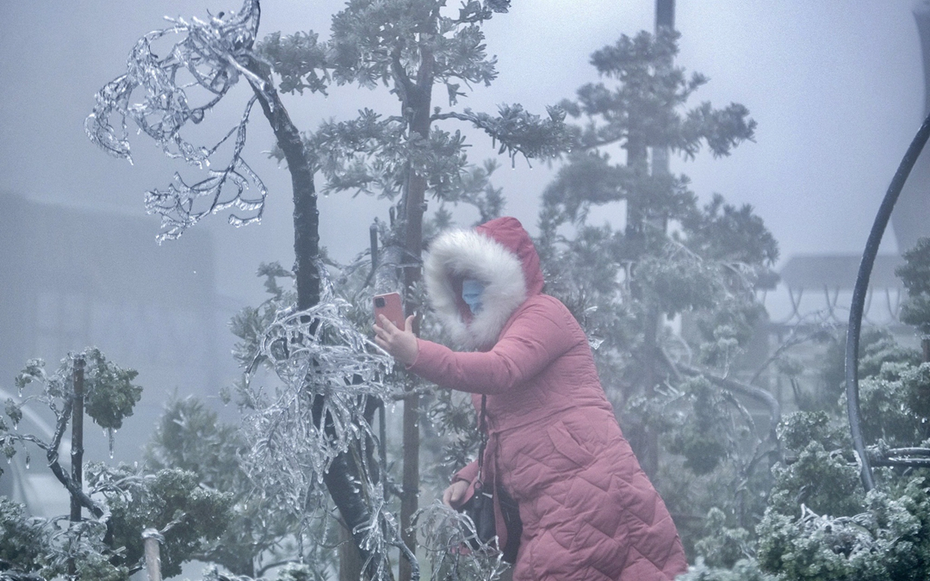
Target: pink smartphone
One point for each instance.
(391, 306)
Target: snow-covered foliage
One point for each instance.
(109, 396)
(316, 408)
(102, 541)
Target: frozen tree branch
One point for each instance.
(317, 423)
(316, 352)
(518, 131)
(156, 94)
(447, 537)
(756, 393)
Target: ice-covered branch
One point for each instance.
(447, 537)
(313, 427)
(328, 370)
(520, 132)
(158, 94)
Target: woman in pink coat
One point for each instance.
(589, 512)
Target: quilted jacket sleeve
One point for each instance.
(541, 331)
(468, 473)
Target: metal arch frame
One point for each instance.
(859, 295)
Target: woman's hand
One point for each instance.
(455, 494)
(401, 345)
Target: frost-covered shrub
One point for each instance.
(888, 540)
(117, 503)
(702, 433)
(723, 546)
(799, 429)
(172, 501)
(819, 479)
(915, 274)
(22, 540)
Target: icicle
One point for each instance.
(27, 461)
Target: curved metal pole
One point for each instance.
(860, 291)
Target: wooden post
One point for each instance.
(77, 435)
(151, 541)
(77, 443)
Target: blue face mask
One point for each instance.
(472, 291)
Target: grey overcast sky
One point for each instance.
(836, 87)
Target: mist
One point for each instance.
(837, 89)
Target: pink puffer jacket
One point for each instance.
(589, 512)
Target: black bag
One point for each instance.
(480, 507)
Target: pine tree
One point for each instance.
(673, 261)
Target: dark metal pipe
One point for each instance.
(859, 293)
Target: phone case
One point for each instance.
(391, 306)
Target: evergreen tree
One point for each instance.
(409, 47)
(674, 260)
(111, 506)
(819, 523)
(915, 275)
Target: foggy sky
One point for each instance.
(835, 86)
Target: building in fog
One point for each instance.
(825, 282)
(74, 278)
(818, 288)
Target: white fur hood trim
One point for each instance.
(457, 253)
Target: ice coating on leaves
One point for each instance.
(155, 94)
(327, 369)
(444, 533)
(317, 352)
(380, 532)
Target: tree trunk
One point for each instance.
(77, 445)
(418, 104)
(343, 471)
(636, 217)
(77, 436)
(152, 554)
(649, 458)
